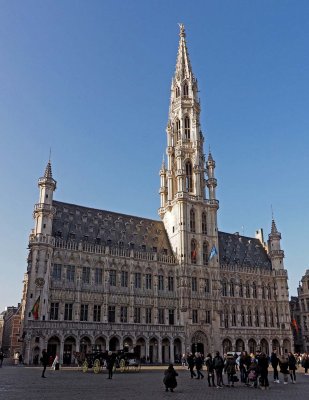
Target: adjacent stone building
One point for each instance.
(103, 280)
(302, 313)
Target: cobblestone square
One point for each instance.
(25, 383)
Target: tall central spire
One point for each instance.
(183, 66)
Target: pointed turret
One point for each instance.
(274, 247)
(211, 181)
(183, 66)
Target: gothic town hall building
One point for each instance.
(101, 280)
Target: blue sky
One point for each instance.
(91, 80)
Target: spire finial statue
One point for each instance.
(182, 32)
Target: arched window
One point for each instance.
(243, 319)
(257, 317)
(205, 253)
(185, 89)
(272, 322)
(226, 318)
(233, 317)
(193, 251)
(247, 290)
(241, 289)
(177, 91)
(204, 223)
(192, 220)
(224, 288)
(187, 128)
(254, 291)
(177, 129)
(249, 317)
(232, 288)
(189, 183)
(265, 318)
(269, 292)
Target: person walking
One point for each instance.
(44, 361)
(263, 369)
(110, 364)
(169, 379)
(199, 365)
(190, 362)
(244, 364)
(230, 369)
(210, 370)
(274, 360)
(218, 367)
(305, 362)
(292, 367)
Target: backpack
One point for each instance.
(252, 375)
(218, 362)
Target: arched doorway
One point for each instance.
(114, 344)
(286, 346)
(53, 346)
(127, 344)
(240, 345)
(36, 355)
(199, 343)
(264, 346)
(68, 348)
(177, 350)
(165, 350)
(252, 346)
(227, 346)
(140, 349)
(153, 350)
(276, 346)
(100, 344)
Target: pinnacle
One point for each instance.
(183, 66)
(48, 171)
(274, 227)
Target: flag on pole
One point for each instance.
(35, 309)
(295, 325)
(213, 252)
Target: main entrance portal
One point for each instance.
(199, 343)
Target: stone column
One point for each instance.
(147, 350)
(61, 351)
(160, 351)
(172, 359)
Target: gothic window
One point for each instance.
(265, 318)
(137, 280)
(249, 317)
(247, 290)
(123, 314)
(124, 278)
(96, 313)
(192, 220)
(272, 322)
(241, 289)
(86, 275)
(254, 291)
(68, 312)
(257, 318)
(185, 89)
(84, 312)
(193, 251)
(148, 281)
(137, 315)
(98, 276)
(189, 183)
(204, 224)
(171, 283)
(224, 288)
(194, 317)
(112, 277)
(161, 315)
(226, 318)
(205, 253)
(194, 284)
(70, 273)
(242, 317)
(177, 91)
(207, 286)
(233, 317)
(207, 317)
(111, 314)
(263, 292)
(177, 129)
(232, 288)
(54, 310)
(160, 282)
(171, 317)
(187, 128)
(57, 272)
(148, 315)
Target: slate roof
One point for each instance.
(235, 249)
(84, 224)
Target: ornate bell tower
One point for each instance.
(190, 218)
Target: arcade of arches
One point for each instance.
(252, 345)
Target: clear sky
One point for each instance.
(91, 80)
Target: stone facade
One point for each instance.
(302, 313)
(98, 279)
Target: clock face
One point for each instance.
(39, 282)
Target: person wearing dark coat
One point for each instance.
(230, 369)
(210, 370)
(218, 363)
(284, 368)
(199, 365)
(169, 379)
(263, 370)
(44, 361)
(110, 364)
(292, 366)
(244, 364)
(190, 362)
(274, 360)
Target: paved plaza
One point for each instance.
(25, 383)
